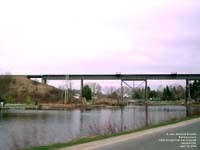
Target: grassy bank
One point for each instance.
(90, 139)
(19, 106)
(100, 103)
(154, 103)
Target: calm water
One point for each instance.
(24, 128)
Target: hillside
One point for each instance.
(19, 88)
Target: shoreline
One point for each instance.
(51, 106)
(90, 140)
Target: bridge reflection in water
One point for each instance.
(20, 128)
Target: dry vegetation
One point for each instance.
(20, 87)
(106, 101)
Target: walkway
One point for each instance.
(149, 139)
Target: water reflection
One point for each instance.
(21, 128)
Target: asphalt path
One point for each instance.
(170, 137)
(164, 140)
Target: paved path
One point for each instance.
(148, 139)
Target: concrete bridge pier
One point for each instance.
(81, 90)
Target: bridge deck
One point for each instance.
(116, 76)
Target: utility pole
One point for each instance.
(122, 91)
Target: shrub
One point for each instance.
(28, 100)
(10, 99)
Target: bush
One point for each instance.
(28, 100)
(10, 100)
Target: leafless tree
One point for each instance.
(108, 90)
(96, 88)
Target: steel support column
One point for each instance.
(187, 94)
(187, 98)
(133, 88)
(145, 90)
(81, 90)
(146, 105)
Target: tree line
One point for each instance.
(91, 90)
(176, 92)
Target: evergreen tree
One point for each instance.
(195, 90)
(167, 94)
(87, 92)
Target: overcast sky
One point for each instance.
(104, 36)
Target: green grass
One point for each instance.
(100, 137)
(20, 106)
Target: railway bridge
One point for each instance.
(122, 77)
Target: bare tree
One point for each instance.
(109, 89)
(96, 88)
